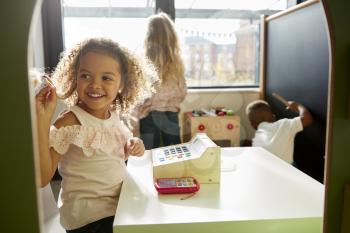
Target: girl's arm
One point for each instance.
(46, 101)
(183, 88)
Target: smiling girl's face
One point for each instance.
(98, 83)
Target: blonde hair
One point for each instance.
(162, 46)
(135, 73)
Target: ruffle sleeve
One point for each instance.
(89, 139)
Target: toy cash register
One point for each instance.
(199, 158)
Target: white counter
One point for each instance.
(258, 193)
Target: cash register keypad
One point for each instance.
(174, 152)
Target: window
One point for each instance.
(121, 20)
(220, 39)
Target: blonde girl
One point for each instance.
(159, 114)
(99, 80)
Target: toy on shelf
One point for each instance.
(223, 128)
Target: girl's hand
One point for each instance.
(135, 147)
(46, 101)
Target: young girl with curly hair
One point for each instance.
(159, 114)
(100, 81)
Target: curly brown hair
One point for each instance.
(138, 74)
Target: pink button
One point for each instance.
(229, 126)
(201, 127)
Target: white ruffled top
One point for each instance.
(92, 167)
(91, 139)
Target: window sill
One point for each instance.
(215, 90)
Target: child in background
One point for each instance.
(159, 114)
(99, 81)
(277, 136)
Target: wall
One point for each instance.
(338, 148)
(35, 44)
(19, 205)
(297, 67)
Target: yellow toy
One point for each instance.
(199, 158)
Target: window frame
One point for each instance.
(51, 15)
(53, 34)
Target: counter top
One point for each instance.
(257, 191)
